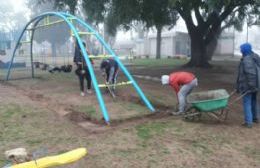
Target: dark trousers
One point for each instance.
(83, 75)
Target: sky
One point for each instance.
(19, 5)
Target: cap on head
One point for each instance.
(246, 49)
(165, 79)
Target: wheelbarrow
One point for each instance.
(214, 103)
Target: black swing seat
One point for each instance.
(64, 68)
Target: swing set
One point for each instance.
(70, 20)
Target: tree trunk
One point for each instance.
(158, 42)
(211, 47)
(198, 52)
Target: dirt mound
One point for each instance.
(79, 117)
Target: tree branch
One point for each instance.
(198, 16)
(186, 15)
(231, 21)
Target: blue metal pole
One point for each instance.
(92, 74)
(31, 45)
(123, 68)
(94, 80)
(18, 42)
(13, 55)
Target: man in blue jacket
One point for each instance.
(247, 84)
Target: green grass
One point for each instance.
(32, 128)
(147, 131)
(89, 110)
(201, 147)
(129, 106)
(2, 74)
(253, 152)
(159, 62)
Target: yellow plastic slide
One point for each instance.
(57, 160)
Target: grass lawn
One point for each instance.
(31, 116)
(159, 62)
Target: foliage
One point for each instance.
(56, 34)
(206, 19)
(95, 10)
(153, 13)
(67, 5)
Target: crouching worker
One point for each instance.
(82, 70)
(183, 83)
(109, 68)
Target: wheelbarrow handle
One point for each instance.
(232, 93)
(238, 98)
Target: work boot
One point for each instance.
(247, 125)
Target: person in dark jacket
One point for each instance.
(109, 68)
(246, 84)
(82, 70)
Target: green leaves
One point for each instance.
(96, 10)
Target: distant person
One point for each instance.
(82, 70)
(109, 68)
(183, 83)
(247, 84)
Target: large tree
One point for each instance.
(153, 13)
(205, 20)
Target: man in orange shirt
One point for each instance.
(183, 83)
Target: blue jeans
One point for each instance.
(250, 110)
(184, 92)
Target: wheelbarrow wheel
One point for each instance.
(199, 117)
(220, 115)
(192, 114)
(224, 114)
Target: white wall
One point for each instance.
(167, 46)
(140, 49)
(225, 45)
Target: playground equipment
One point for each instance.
(70, 20)
(52, 161)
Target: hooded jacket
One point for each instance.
(247, 75)
(78, 56)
